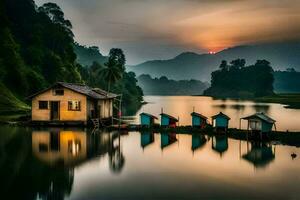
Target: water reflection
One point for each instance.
(167, 139)
(219, 144)
(198, 141)
(81, 164)
(147, 138)
(259, 154)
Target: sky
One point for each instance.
(162, 29)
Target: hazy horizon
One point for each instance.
(155, 29)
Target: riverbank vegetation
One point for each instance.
(236, 80)
(164, 86)
(37, 50)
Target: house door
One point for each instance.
(54, 110)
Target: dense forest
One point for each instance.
(165, 86)
(238, 80)
(287, 81)
(37, 49)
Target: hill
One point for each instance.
(199, 66)
(87, 55)
(165, 86)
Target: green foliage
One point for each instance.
(287, 81)
(236, 80)
(87, 55)
(165, 86)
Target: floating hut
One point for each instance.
(198, 120)
(260, 154)
(147, 138)
(64, 103)
(220, 144)
(168, 120)
(147, 119)
(167, 139)
(220, 121)
(260, 122)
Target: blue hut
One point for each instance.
(198, 120)
(220, 121)
(147, 119)
(198, 141)
(220, 144)
(168, 120)
(260, 122)
(166, 139)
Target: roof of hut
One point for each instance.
(261, 116)
(169, 116)
(149, 115)
(221, 115)
(95, 93)
(198, 115)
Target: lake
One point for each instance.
(72, 163)
(85, 164)
(182, 106)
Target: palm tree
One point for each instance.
(111, 73)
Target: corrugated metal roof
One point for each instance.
(169, 116)
(199, 115)
(152, 116)
(95, 93)
(221, 115)
(261, 116)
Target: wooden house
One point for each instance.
(198, 120)
(220, 121)
(168, 120)
(147, 119)
(70, 103)
(260, 122)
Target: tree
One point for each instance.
(224, 65)
(114, 68)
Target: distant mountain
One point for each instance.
(87, 55)
(165, 86)
(199, 66)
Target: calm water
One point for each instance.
(81, 164)
(182, 106)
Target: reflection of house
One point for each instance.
(168, 120)
(167, 139)
(220, 121)
(71, 103)
(260, 154)
(147, 138)
(198, 141)
(147, 119)
(260, 122)
(64, 148)
(70, 148)
(198, 120)
(220, 144)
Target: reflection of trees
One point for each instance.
(116, 157)
(25, 177)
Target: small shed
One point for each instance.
(220, 120)
(198, 120)
(260, 122)
(168, 120)
(147, 119)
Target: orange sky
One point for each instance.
(149, 29)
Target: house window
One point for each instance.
(74, 105)
(43, 105)
(58, 92)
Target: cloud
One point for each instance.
(148, 29)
